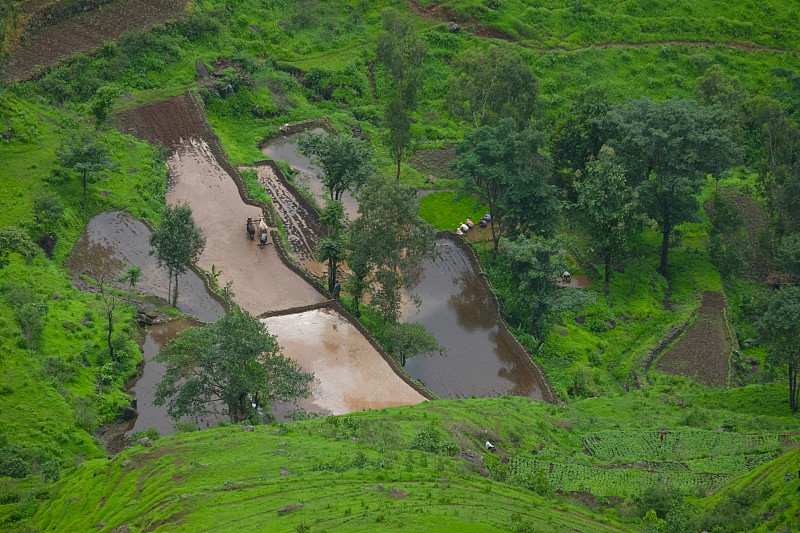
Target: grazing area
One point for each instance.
(457, 265)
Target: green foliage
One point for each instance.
(84, 152)
(149, 433)
(429, 440)
(503, 168)
(445, 211)
(388, 239)
(177, 243)
(662, 499)
(15, 240)
(404, 340)
(234, 360)
(346, 161)
(492, 83)
(780, 327)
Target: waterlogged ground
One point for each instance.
(285, 149)
(482, 359)
(117, 239)
(351, 374)
(143, 390)
(260, 281)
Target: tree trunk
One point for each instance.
(608, 272)
(110, 330)
(665, 246)
(169, 286)
(84, 184)
(331, 274)
(793, 390)
(399, 157)
(175, 291)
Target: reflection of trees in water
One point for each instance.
(473, 308)
(512, 368)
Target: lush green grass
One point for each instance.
(199, 480)
(443, 211)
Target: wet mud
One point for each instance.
(482, 358)
(285, 149)
(115, 238)
(350, 374)
(143, 389)
(260, 281)
(577, 281)
(297, 215)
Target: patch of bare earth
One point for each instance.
(702, 353)
(86, 31)
(758, 231)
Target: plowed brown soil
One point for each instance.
(87, 31)
(703, 352)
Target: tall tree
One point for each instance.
(579, 135)
(234, 361)
(780, 327)
(528, 268)
(47, 210)
(401, 53)
(331, 247)
(346, 161)
(84, 152)
(503, 168)
(490, 83)
(608, 206)
(667, 149)
(404, 340)
(177, 243)
(715, 87)
(390, 239)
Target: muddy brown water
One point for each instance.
(295, 215)
(482, 359)
(117, 238)
(350, 374)
(577, 281)
(260, 281)
(285, 149)
(143, 390)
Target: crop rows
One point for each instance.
(617, 481)
(629, 446)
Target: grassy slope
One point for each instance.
(226, 479)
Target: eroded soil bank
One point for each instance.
(483, 359)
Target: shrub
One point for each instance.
(13, 463)
(150, 433)
(186, 427)
(660, 498)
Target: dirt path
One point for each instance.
(702, 353)
(87, 31)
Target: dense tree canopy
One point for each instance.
(502, 167)
(389, 239)
(780, 327)
(667, 150)
(608, 206)
(346, 161)
(490, 83)
(235, 362)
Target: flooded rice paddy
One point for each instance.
(350, 373)
(260, 281)
(117, 239)
(285, 149)
(482, 358)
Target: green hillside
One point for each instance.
(659, 425)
